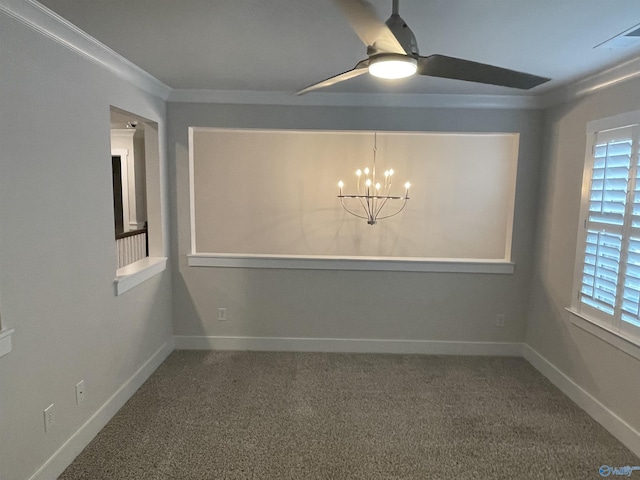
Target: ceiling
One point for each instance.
(284, 45)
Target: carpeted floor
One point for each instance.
(262, 415)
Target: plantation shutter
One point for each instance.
(606, 225)
(630, 314)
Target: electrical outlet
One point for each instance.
(80, 392)
(500, 320)
(222, 314)
(49, 417)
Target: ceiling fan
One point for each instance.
(392, 53)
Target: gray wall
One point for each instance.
(57, 248)
(57, 253)
(343, 304)
(610, 375)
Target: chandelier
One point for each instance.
(371, 195)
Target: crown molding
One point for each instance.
(581, 88)
(42, 20)
(404, 100)
(46, 22)
(591, 84)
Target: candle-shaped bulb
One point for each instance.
(377, 186)
(391, 171)
(368, 182)
(340, 184)
(407, 185)
(366, 171)
(358, 172)
(386, 173)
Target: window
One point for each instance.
(607, 276)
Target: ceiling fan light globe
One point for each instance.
(393, 68)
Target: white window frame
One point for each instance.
(611, 329)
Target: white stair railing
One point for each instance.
(131, 246)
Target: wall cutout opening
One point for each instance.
(272, 194)
(129, 190)
(135, 166)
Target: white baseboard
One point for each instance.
(63, 457)
(348, 345)
(600, 413)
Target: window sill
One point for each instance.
(134, 274)
(5, 341)
(627, 345)
(321, 262)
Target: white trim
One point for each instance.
(123, 153)
(51, 25)
(126, 133)
(404, 100)
(63, 457)
(128, 180)
(511, 209)
(596, 409)
(628, 345)
(135, 273)
(326, 262)
(192, 191)
(5, 341)
(614, 122)
(587, 169)
(591, 84)
(321, 262)
(155, 174)
(348, 345)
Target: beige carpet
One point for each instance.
(259, 415)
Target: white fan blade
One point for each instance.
(359, 69)
(372, 31)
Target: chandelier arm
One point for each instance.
(388, 191)
(360, 196)
(373, 204)
(361, 201)
(350, 212)
(372, 207)
(393, 214)
(386, 195)
(369, 204)
(374, 200)
(384, 202)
